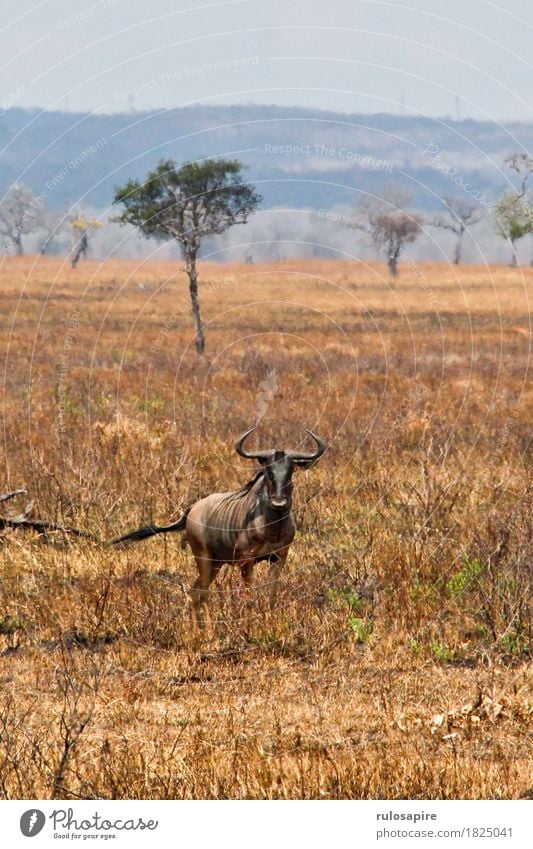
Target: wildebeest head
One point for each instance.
(278, 467)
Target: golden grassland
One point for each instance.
(396, 663)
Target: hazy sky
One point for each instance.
(436, 57)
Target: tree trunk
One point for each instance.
(392, 263)
(81, 250)
(76, 257)
(457, 252)
(514, 258)
(195, 304)
(17, 241)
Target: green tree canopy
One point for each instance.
(187, 204)
(514, 219)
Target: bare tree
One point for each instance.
(522, 163)
(21, 212)
(390, 223)
(53, 226)
(461, 214)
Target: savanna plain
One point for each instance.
(395, 664)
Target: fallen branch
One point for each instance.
(7, 495)
(43, 527)
(24, 520)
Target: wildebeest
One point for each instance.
(243, 527)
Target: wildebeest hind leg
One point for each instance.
(200, 591)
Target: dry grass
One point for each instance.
(396, 664)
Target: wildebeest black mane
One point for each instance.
(247, 486)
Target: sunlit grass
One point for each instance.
(396, 663)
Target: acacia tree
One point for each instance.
(513, 211)
(461, 214)
(188, 204)
(390, 223)
(21, 212)
(522, 163)
(514, 219)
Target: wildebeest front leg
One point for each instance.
(247, 574)
(277, 562)
(245, 554)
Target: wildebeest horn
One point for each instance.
(250, 455)
(298, 456)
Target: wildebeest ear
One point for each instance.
(265, 459)
(305, 464)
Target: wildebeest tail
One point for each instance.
(151, 530)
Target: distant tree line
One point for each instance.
(187, 204)
(392, 224)
(22, 213)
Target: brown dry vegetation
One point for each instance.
(396, 663)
